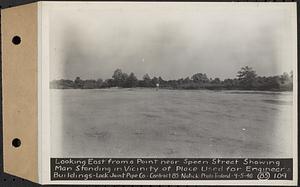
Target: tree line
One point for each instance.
(246, 79)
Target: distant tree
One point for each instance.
(131, 81)
(160, 80)
(119, 77)
(272, 83)
(228, 83)
(108, 83)
(187, 80)
(146, 77)
(216, 81)
(146, 81)
(89, 84)
(172, 84)
(99, 83)
(200, 78)
(231, 83)
(246, 77)
(154, 81)
(78, 82)
(286, 81)
(117, 74)
(284, 78)
(180, 81)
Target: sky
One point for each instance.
(171, 40)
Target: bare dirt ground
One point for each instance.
(170, 123)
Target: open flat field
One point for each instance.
(170, 123)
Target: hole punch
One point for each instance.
(16, 40)
(16, 142)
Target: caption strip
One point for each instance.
(170, 169)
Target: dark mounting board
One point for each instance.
(7, 180)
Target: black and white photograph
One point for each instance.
(172, 80)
